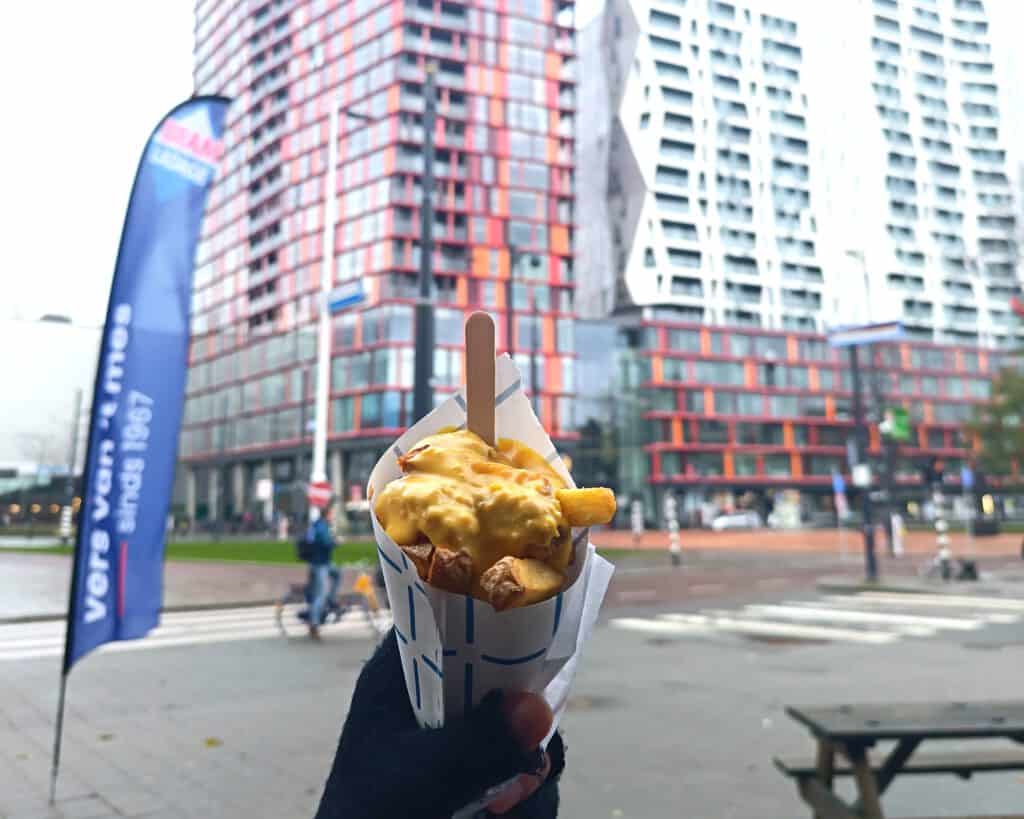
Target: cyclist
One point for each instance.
(324, 576)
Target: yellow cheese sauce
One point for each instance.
(462, 494)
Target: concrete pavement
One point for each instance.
(655, 727)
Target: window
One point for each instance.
(684, 341)
(705, 463)
(674, 369)
(663, 400)
(741, 345)
(759, 434)
(695, 401)
(719, 372)
(343, 416)
(782, 406)
(671, 463)
(749, 403)
(725, 403)
(712, 432)
(744, 465)
(776, 464)
(832, 436)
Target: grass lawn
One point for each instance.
(261, 551)
(266, 551)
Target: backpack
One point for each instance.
(304, 547)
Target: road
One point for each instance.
(224, 718)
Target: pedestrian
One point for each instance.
(387, 767)
(324, 576)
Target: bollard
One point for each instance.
(672, 522)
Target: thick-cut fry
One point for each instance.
(420, 556)
(451, 571)
(514, 582)
(587, 507)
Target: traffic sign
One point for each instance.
(896, 424)
(866, 334)
(345, 295)
(319, 493)
(966, 477)
(264, 489)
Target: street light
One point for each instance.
(515, 255)
(323, 364)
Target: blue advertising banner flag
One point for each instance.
(117, 582)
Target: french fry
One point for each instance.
(451, 571)
(587, 507)
(420, 557)
(514, 582)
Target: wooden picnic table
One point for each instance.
(845, 735)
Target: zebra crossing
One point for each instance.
(27, 641)
(869, 618)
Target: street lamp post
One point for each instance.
(423, 366)
(323, 363)
(515, 256)
(861, 436)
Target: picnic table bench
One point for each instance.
(845, 734)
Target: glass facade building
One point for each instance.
(504, 174)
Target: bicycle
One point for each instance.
(291, 612)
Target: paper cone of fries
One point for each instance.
(455, 648)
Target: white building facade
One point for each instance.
(801, 165)
(709, 166)
(920, 211)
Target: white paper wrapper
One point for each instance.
(454, 648)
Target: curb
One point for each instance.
(852, 586)
(186, 607)
(976, 588)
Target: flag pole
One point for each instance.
(57, 737)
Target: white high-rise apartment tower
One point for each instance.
(799, 165)
(907, 128)
(709, 177)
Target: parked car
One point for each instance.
(742, 519)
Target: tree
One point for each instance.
(997, 425)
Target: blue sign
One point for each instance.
(866, 334)
(345, 295)
(117, 580)
(966, 477)
(838, 484)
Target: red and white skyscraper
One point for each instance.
(504, 179)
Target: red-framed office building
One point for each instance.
(720, 412)
(504, 169)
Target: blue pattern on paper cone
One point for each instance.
(432, 666)
(487, 658)
(389, 561)
(450, 652)
(558, 613)
(469, 620)
(420, 588)
(412, 614)
(416, 675)
(507, 393)
(400, 636)
(460, 401)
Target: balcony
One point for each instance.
(264, 302)
(263, 275)
(268, 217)
(268, 189)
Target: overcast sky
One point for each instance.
(86, 84)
